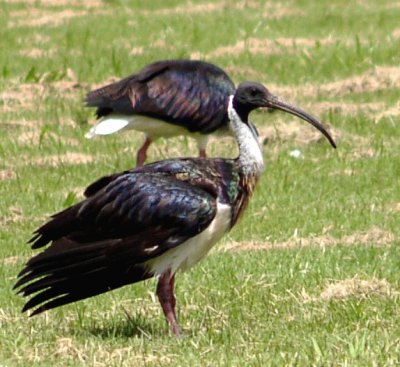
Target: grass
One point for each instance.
(310, 276)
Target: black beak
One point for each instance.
(275, 102)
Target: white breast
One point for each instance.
(194, 249)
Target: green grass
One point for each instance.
(254, 307)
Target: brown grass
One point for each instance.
(355, 287)
(375, 79)
(394, 207)
(268, 46)
(36, 53)
(15, 215)
(26, 95)
(392, 111)
(396, 33)
(21, 95)
(69, 158)
(191, 8)
(13, 260)
(65, 348)
(36, 137)
(244, 72)
(7, 174)
(275, 10)
(38, 18)
(374, 237)
(348, 108)
(300, 133)
(363, 152)
(344, 172)
(270, 9)
(54, 3)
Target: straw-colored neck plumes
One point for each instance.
(250, 156)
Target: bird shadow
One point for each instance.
(127, 328)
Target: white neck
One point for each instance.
(250, 156)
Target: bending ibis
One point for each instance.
(150, 221)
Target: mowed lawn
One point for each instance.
(311, 274)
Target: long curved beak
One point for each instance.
(275, 102)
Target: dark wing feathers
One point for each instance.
(189, 93)
(103, 242)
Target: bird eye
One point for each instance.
(253, 92)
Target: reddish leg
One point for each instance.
(165, 293)
(202, 153)
(141, 154)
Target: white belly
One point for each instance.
(154, 128)
(194, 249)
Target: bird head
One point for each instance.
(252, 95)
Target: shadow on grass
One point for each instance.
(128, 328)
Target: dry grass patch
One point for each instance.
(393, 111)
(6, 317)
(78, 192)
(7, 174)
(268, 46)
(15, 215)
(35, 17)
(300, 133)
(36, 53)
(270, 9)
(244, 72)
(276, 10)
(373, 80)
(396, 33)
(53, 3)
(69, 158)
(374, 237)
(348, 108)
(393, 5)
(357, 288)
(68, 348)
(343, 172)
(65, 348)
(13, 260)
(189, 8)
(378, 78)
(23, 123)
(21, 95)
(25, 95)
(36, 137)
(136, 51)
(362, 153)
(394, 207)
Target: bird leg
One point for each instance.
(141, 154)
(202, 153)
(165, 293)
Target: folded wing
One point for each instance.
(103, 242)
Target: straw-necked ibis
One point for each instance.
(150, 221)
(164, 99)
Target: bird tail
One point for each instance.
(69, 271)
(60, 224)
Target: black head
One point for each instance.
(252, 95)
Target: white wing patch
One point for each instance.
(108, 126)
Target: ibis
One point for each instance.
(151, 221)
(164, 99)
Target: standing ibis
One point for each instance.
(166, 98)
(150, 221)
